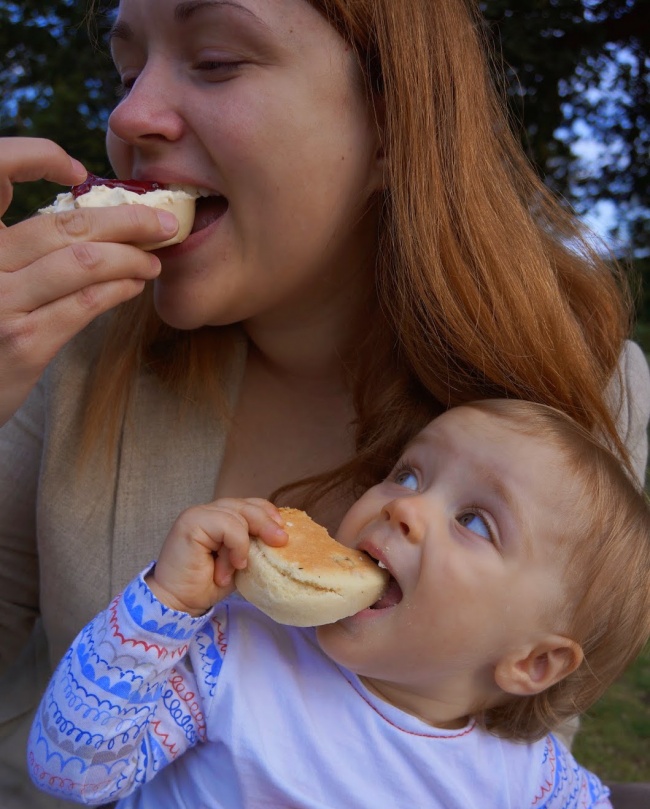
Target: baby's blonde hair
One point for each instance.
(607, 546)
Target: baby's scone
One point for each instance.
(98, 192)
(313, 579)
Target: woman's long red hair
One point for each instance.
(485, 285)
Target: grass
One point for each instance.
(614, 740)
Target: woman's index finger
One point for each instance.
(28, 159)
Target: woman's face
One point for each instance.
(262, 103)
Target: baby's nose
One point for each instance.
(405, 515)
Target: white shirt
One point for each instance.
(253, 714)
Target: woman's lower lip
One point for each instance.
(193, 241)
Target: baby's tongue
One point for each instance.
(207, 210)
(391, 596)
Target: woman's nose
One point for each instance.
(148, 113)
(406, 515)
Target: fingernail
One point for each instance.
(168, 221)
(78, 168)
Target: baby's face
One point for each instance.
(469, 525)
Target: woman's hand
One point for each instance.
(58, 272)
(205, 547)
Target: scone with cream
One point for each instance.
(98, 192)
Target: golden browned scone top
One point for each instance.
(311, 546)
(313, 579)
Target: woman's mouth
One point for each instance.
(208, 210)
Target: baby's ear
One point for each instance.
(532, 669)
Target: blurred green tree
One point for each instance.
(578, 72)
(56, 81)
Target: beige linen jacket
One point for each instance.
(71, 539)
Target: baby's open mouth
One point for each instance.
(391, 596)
(208, 210)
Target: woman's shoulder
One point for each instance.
(62, 385)
(629, 395)
(635, 374)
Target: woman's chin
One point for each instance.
(176, 309)
(210, 213)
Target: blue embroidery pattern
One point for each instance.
(117, 709)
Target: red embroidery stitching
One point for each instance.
(188, 697)
(463, 732)
(221, 638)
(548, 785)
(65, 785)
(160, 650)
(173, 750)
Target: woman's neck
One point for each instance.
(311, 347)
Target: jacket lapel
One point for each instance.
(169, 459)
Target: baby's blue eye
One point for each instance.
(407, 479)
(473, 521)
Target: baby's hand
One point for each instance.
(205, 547)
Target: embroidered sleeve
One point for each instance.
(126, 699)
(567, 785)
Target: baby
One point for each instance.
(519, 555)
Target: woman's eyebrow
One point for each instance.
(182, 13)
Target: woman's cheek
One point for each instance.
(119, 155)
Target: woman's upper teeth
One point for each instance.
(193, 189)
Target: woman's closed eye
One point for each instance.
(475, 522)
(219, 70)
(214, 69)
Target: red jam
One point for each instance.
(137, 186)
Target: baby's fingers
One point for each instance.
(224, 569)
(263, 521)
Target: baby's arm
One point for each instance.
(113, 714)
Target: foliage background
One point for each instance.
(577, 81)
